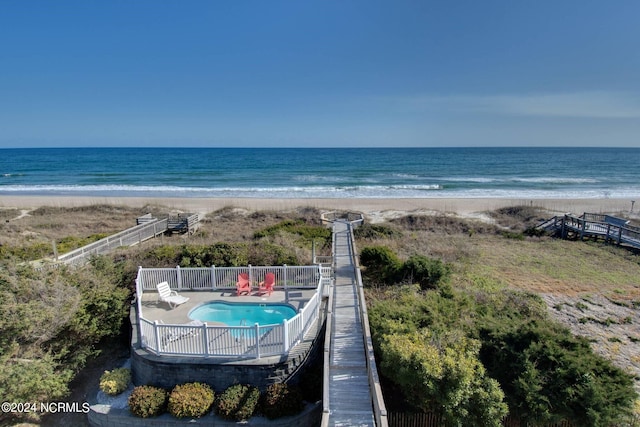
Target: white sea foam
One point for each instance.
(322, 191)
(555, 180)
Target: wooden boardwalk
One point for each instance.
(350, 400)
(609, 228)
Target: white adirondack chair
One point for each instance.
(170, 297)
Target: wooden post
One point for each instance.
(55, 249)
(179, 277)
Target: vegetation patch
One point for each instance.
(299, 227)
(147, 401)
(238, 402)
(116, 381)
(382, 266)
(376, 231)
(509, 350)
(281, 400)
(191, 400)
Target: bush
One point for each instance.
(443, 374)
(381, 263)
(116, 381)
(280, 400)
(192, 400)
(238, 402)
(537, 362)
(147, 401)
(429, 273)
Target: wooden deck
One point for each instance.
(349, 396)
(596, 226)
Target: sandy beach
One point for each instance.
(373, 208)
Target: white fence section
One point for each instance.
(252, 341)
(223, 278)
(128, 237)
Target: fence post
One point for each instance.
(286, 291)
(285, 343)
(257, 329)
(250, 275)
(205, 337)
(214, 285)
(179, 277)
(157, 334)
(285, 277)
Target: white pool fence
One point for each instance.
(251, 341)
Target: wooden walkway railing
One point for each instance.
(352, 394)
(609, 228)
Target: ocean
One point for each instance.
(554, 173)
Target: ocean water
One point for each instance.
(323, 172)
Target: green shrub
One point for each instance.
(429, 273)
(116, 381)
(147, 401)
(381, 263)
(538, 362)
(442, 373)
(192, 400)
(280, 400)
(238, 402)
(264, 253)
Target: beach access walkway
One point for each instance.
(351, 395)
(609, 228)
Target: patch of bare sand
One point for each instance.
(613, 327)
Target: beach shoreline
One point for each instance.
(368, 206)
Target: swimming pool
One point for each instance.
(242, 313)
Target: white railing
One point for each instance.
(216, 341)
(221, 278)
(251, 341)
(128, 237)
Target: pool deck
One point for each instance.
(153, 309)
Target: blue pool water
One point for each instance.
(242, 314)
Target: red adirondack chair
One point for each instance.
(266, 286)
(243, 286)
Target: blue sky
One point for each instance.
(319, 73)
